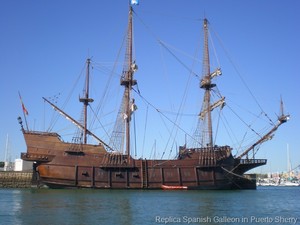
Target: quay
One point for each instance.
(16, 179)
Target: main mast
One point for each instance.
(128, 82)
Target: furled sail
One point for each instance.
(220, 103)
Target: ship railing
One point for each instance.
(43, 133)
(36, 157)
(253, 161)
(116, 161)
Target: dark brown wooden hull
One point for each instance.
(61, 164)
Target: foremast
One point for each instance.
(128, 82)
(206, 84)
(205, 115)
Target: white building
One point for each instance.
(8, 166)
(21, 165)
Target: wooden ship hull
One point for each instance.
(67, 165)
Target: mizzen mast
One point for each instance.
(86, 100)
(79, 125)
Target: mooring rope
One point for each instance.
(240, 176)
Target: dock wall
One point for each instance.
(13, 179)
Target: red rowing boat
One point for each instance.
(167, 187)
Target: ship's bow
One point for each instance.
(242, 180)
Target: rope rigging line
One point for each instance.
(169, 131)
(239, 148)
(181, 114)
(163, 44)
(169, 15)
(98, 120)
(241, 77)
(216, 133)
(180, 61)
(237, 175)
(104, 97)
(247, 125)
(294, 168)
(54, 119)
(106, 69)
(168, 48)
(214, 49)
(134, 131)
(163, 115)
(145, 128)
(183, 101)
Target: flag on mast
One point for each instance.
(23, 106)
(134, 2)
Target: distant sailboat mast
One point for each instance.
(289, 166)
(7, 157)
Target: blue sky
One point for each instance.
(44, 45)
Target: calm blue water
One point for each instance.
(268, 205)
